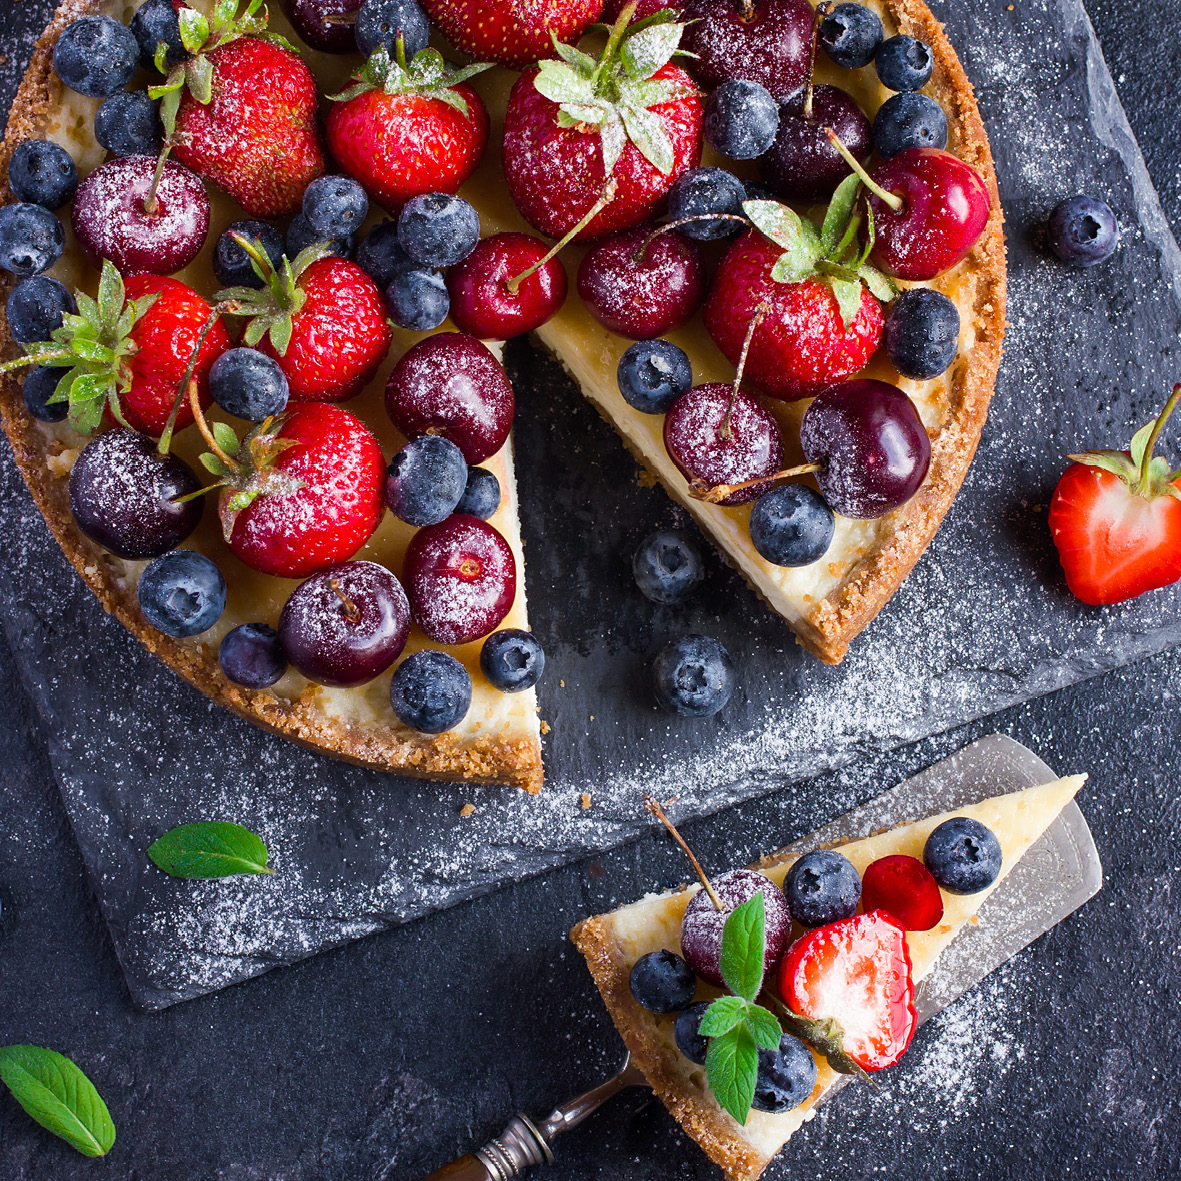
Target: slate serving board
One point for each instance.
(983, 622)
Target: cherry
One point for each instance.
(346, 624)
(461, 578)
(871, 445)
(719, 435)
(485, 301)
(450, 384)
(116, 215)
(904, 888)
(312, 20)
(642, 286)
(764, 41)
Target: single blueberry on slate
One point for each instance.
(42, 173)
(182, 593)
(231, 264)
(31, 239)
(963, 855)
(380, 21)
(425, 480)
(96, 56)
(36, 307)
(335, 206)
(653, 374)
(157, 21)
(791, 525)
(252, 656)
(785, 1077)
(667, 566)
(850, 35)
(703, 191)
(417, 299)
(741, 119)
(248, 384)
(908, 120)
(128, 124)
(380, 254)
(685, 1032)
(693, 676)
(301, 234)
(904, 63)
(438, 229)
(921, 333)
(481, 497)
(662, 982)
(430, 692)
(822, 887)
(39, 386)
(512, 660)
(1083, 231)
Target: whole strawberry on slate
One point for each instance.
(406, 129)
(513, 33)
(240, 110)
(593, 146)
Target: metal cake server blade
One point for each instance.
(1054, 878)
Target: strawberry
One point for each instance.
(512, 33)
(809, 294)
(593, 146)
(320, 317)
(850, 981)
(402, 130)
(241, 111)
(128, 352)
(1116, 519)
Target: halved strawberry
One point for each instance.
(1116, 519)
(856, 973)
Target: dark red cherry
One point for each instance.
(871, 444)
(483, 304)
(450, 384)
(764, 41)
(904, 888)
(111, 218)
(944, 207)
(642, 295)
(311, 19)
(702, 923)
(461, 578)
(802, 165)
(708, 446)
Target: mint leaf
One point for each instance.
(210, 849)
(731, 1067)
(743, 948)
(58, 1096)
(764, 1026)
(721, 1017)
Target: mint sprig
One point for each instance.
(209, 849)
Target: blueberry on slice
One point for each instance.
(182, 593)
(791, 525)
(963, 855)
(662, 982)
(685, 1032)
(822, 887)
(128, 124)
(36, 308)
(693, 676)
(512, 660)
(39, 386)
(741, 119)
(438, 229)
(908, 120)
(248, 384)
(251, 655)
(653, 374)
(1083, 231)
(668, 567)
(231, 264)
(904, 63)
(42, 173)
(850, 35)
(921, 333)
(785, 1076)
(481, 497)
(702, 191)
(335, 206)
(380, 21)
(425, 480)
(31, 239)
(430, 692)
(96, 56)
(417, 299)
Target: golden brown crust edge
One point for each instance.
(488, 760)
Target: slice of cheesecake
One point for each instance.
(613, 942)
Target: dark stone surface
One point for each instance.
(382, 1059)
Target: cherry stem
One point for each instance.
(151, 205)
(821, 13)
(182, 389)
(724, 430)
(746, 10)
(351, 613)
(605, 199)
(653, 806)
(1158, 426)
(203, 427)
(894, 201)
(638, 257)
(716, 493)
(341, 18)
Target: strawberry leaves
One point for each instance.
(427, 75)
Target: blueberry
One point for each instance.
(430, 692)
(438, 229)
(963, 855)
(512, 660)
(31, 239)
(1083, 231)
(822, 887)
(248, 384)
(791, 525)
(653, 374)
(301, 234)
(668, 566)
(36, 308)
(904, 63)
(689, 1041)
(42, 173)
(417, 298)
(706, 190)
(380, 21)
(921, 333)
(96, 56)
(662, 982)
(335, 206)
(693, 676)
(381, 256)
(252, 656)
(425, 480)
(851, 35)
(231, 264)
(908, 120)
(756, 190)
(40, 385)
(481, 497)
(741, 119)
(128, 124)
(182, 593)
(786, 1076)
(157, 21)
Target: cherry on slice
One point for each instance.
(904, 888)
